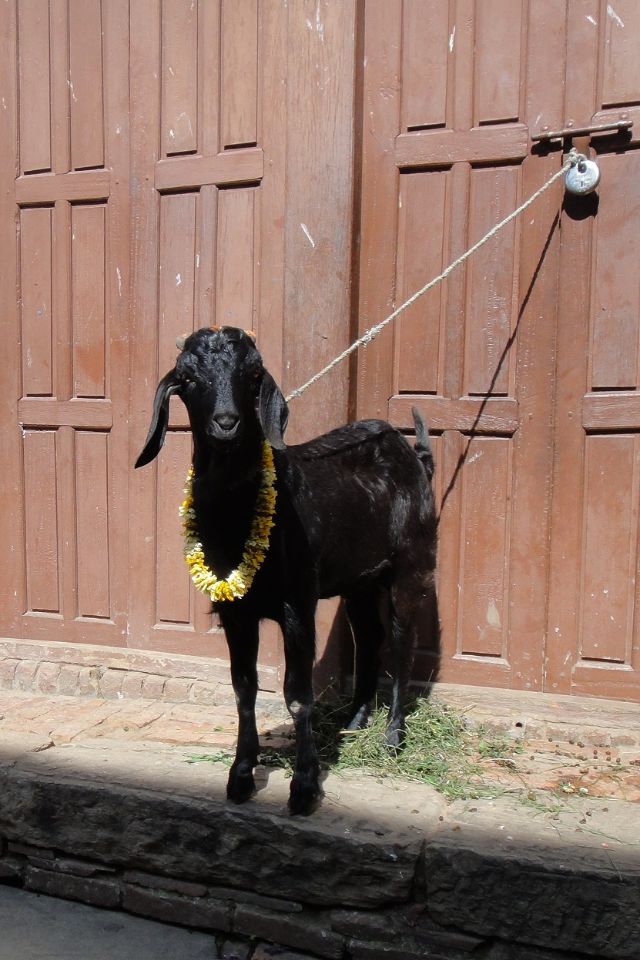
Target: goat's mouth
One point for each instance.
(217, 432)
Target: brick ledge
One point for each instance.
(88, 670)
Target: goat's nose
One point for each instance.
(226, 421)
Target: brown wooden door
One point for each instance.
(197, 176)
(65, 363)
(525, 361)
(593, 639)
(168, 164)
(452, 92)
(242, 127)
(165, 164)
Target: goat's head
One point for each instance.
(220, 377)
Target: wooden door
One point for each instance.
(165, 165)
(452, 92)
(242, 139)
(64, 241)
(526, 363)
(594, 639)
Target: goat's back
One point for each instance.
(365, 503)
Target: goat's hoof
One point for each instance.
(240, 786)
(303, 798)
(360, 719)
(394, 736)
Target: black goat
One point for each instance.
(354, 517)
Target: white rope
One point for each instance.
(372, 332)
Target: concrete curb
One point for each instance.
(382, 869)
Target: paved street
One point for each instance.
(45, 928)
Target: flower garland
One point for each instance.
(239, 580)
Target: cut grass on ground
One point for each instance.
(440, 749)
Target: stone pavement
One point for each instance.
(567, 745)
(109, 801)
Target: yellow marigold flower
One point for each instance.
(239, 580)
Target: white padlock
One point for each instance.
(583, 177)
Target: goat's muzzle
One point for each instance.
(224, 426)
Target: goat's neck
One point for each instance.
(224, 470)
(225, 487)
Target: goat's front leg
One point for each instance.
(242, 640)
(299, 647)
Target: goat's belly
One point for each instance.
(336, 582)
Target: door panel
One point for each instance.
(610, 547)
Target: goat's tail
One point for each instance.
(422, 445)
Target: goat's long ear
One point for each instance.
(159, 419)
(273, 412)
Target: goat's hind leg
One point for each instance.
(407, 596)
(242, 641)
(368, 634)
